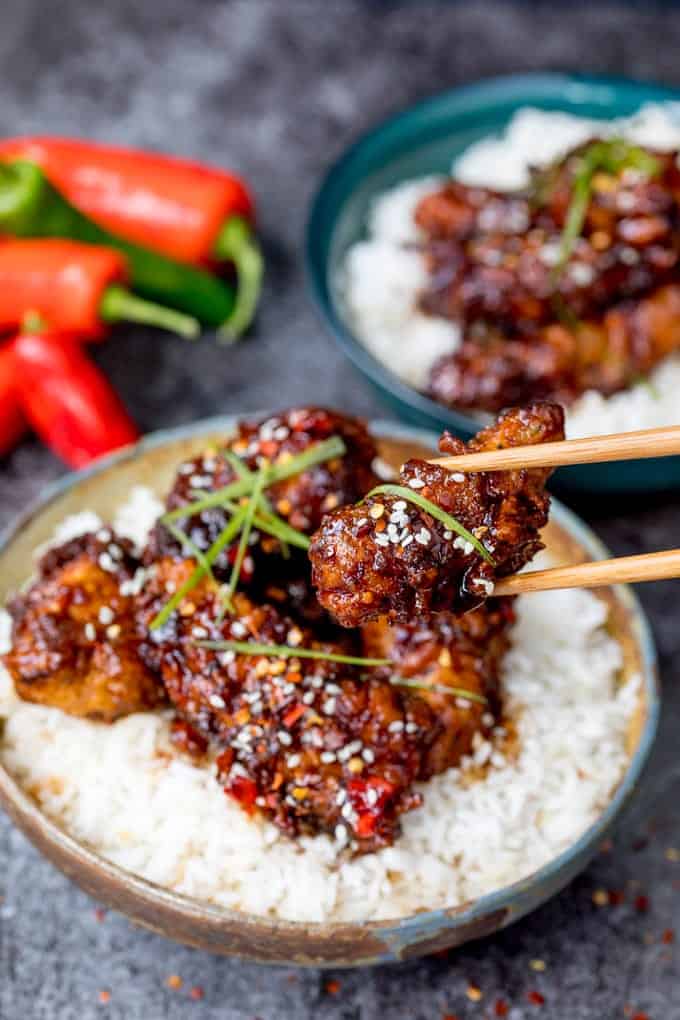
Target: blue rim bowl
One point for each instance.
(153, 462)
(425, 139)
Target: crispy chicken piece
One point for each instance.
(491, 369)
(318, 746)
(388, 557)
(74, 640)
(301, 500)
(492, 257)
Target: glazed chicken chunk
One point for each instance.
(387, 556)
(300, 501)
(74, 634)
(316, 745)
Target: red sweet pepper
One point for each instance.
(12, 422)
(67, 400)
(75, 287)
(187, 211)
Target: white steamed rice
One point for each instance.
(383, 277)
(123, 791)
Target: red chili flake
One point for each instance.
(332, 987)
(640, 1016)
(536, 998)
(104, 997)
(244, 790)
(641, 904)
(616, 897)
(501, 1008)
(292, 715)
(450, 1016)
(668, 936)
(99, 914)
(174, 981)
(196, 993)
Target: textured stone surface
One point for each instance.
(277, 89)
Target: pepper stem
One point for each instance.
(236, 243)
(120, 305)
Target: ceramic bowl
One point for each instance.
(425, 139)
(153, 462)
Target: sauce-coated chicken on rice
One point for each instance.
(254, 669)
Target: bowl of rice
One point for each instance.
(151, 833)
(366, 270)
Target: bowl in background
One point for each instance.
(425, 139)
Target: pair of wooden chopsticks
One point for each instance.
(661, 442)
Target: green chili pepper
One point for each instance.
(30, 206)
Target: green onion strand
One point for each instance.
(278, 472)
(612, 156)
(290, 652)
(246, 529)
(403, 492)
(223, 540)
(186, 543)
(456, 692)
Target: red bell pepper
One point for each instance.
(67, 400)
(181, 208)
(12, 422)
(75, 287)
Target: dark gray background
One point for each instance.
(277, 89)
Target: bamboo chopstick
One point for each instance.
(647, 567)
(661, 442)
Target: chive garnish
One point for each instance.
(275, 526)
(229, 532)
(186, 542)
(290, 652)
(403, 492)
(612, 156)
(247, 527)
(456, 692)
(278, 472)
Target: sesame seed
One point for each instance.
(329, 706)
(381, 539)
(371, 796)
(106, 615)
(106, 563)
(327, 757)
(216, 701)
(90, 632)
(347, 811)
(362, 520)
(411, 727)
(376, 511)
(416, 483)
(582, 274)
(113, 631)
(423, 537)
(104, 535)
(463, 703)
(400, 504)
(368, 755)
(199, 632)
(293, 760)
(226, 658)
(333, 689)
(308, 697)
(407, 541)
(341, 833)
(284, 738)
(396, 727)
(238, 629)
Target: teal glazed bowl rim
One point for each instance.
(250, 937)
(470, 111)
